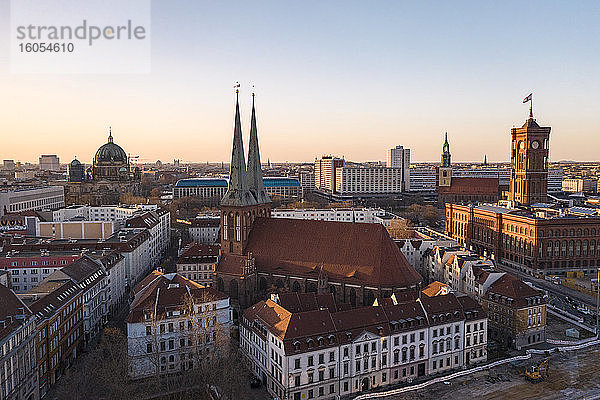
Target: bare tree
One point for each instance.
(400, 228)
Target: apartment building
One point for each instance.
(325, 171)
(91, 277)
(163, 335)
(18, 363)
(198, 262)
(29, 268)
(205, 230)
(516, 311)
(58, 310)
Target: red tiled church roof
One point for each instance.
(350, 252)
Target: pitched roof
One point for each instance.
(354, 253)
(442, 309)
(471, 308)
(11, 307)
(471, 185)
(298, 302)
(513, 288)
(163, 292)
(54, 295)
(435, 288)
(145, 220)
(311, 330)
(199, 253)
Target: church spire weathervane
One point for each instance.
(110, 138)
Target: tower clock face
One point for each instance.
(535, 144)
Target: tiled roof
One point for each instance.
(303, 331)
(11, 307)
(84, 271)
(145, 220)
(471, 185)
(513, 288)
(166, 292)
(55, 295)
(198, 253)
(435, 288)
(298, 302)
(354, 253)
(442, 309)
(471, 308)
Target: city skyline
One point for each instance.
(368, 80)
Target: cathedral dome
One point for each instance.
(110, 153)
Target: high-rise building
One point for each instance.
(49, 162)
(399, 157)
(325, 172)
(529, 163)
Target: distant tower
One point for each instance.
(485, 159)
(445, 170)
(76, 171)
(239, 206)
(529, 162)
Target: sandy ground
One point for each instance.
(574, 375)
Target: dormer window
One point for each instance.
(320, 340)
(296, 345)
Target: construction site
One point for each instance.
(562, 375)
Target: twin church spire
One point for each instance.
(246, 186)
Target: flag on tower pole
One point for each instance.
(528, 98)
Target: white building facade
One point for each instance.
(322, 353)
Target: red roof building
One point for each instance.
(355, 262)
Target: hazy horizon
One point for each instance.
(346, 78)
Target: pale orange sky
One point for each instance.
(328, 81)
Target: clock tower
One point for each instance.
(529, 163)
